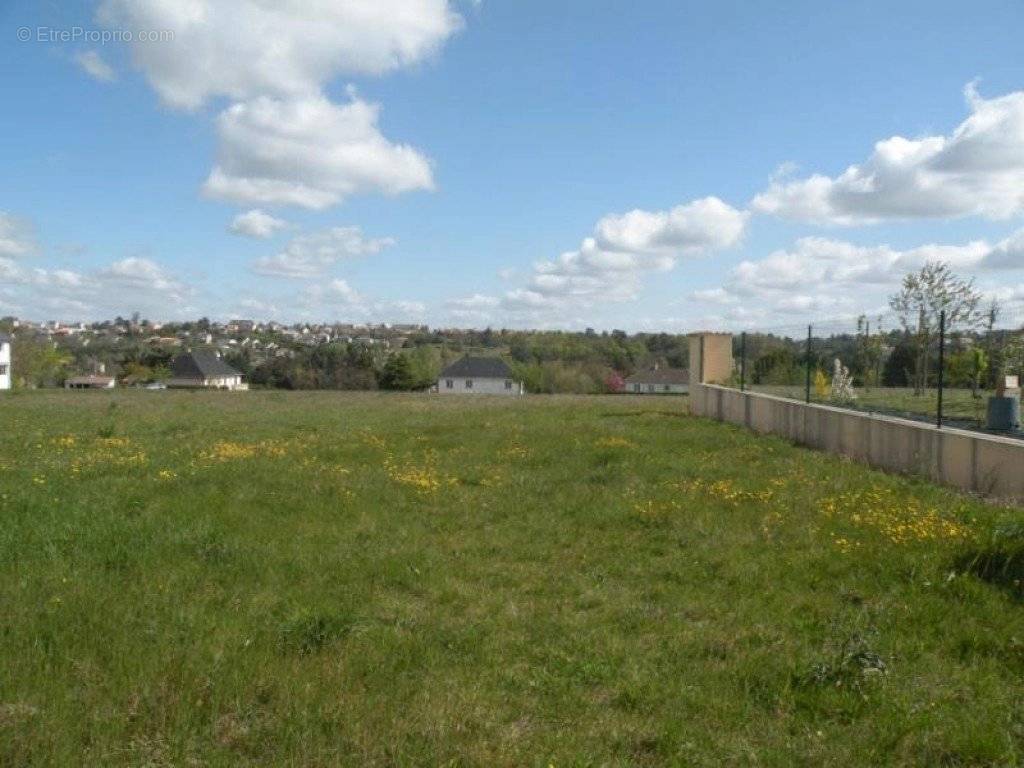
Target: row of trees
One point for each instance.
(547, 361)
(976, 353)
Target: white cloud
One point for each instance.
(282, 141)
(1006, 254)
(834, 278)
(978, 170)
(139, 274)
(714, 296)
(312, 254)
(476, 301)
(242, 49)
(609, 266)
(93, 65)
(16, 238)
(126, 285)
(338, 292)
(330, 300)
(256, 223)
(692, 228)
(405, 308)
(309, 152)
(257, 308)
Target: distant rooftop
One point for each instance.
(200, 365)
(660, 376)
(478, 368)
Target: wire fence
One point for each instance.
(931, 367)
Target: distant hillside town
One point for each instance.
(243, 353)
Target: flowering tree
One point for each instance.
(842, 383)
(926, 294)
(613, 382)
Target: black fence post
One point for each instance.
(743, 361)
(807, 392)
(942, 366)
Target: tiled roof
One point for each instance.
(479, 368)
(660, 376)
(200, 365)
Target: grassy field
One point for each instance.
(324, 579)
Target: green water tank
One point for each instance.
(1003, 413)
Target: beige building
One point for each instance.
(710, 357)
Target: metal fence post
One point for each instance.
(942, 366)
(743, 360)
(807, 391)
(700, 367)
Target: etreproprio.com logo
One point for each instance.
(93, 36)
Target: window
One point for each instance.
(3, 370)
(508, 384)
(668, 388)
(650, 387)
(636, 387)
(448, 384)
(469, 383)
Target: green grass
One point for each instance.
(327, 579)
(957, 404)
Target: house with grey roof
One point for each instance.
(659, 380)
(204, 370)
(478, 376)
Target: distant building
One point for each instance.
(478, 375)
(241, 326)
(5, 361)
(92, 381)
(659, 381)
(204, 370)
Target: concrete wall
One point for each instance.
(710, 357)
(972, 461)
(480, 386)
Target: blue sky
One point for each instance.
(431, 161)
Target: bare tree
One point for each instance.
(991, 316)
(924, 295)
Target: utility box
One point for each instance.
(710, 357)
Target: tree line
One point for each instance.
(586, 362)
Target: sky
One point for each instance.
(650, 166)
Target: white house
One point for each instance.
(659, 381)
(480, 376)
(5, 361)
(92, 381)
(204, 370)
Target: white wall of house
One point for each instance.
(5, 365)
(217, 382)
(639, 388)
(99, 383)
(478, 386)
